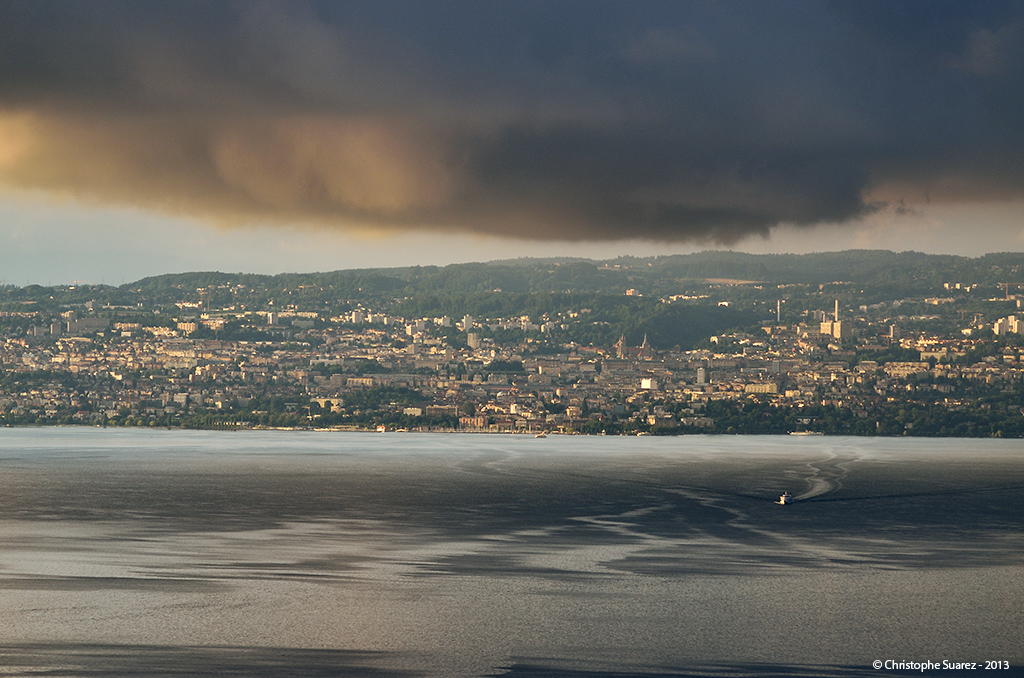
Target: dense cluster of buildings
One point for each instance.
(300, 368)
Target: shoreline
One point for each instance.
(536, 433)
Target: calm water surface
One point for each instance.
(172, 553)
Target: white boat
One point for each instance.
(786, 498)
(541, 435)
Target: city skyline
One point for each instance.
(141, 138)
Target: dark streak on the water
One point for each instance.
(723, 670)
(150, 661)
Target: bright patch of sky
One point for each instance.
(46, 243)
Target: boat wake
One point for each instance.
(824, 477)
(818, 487)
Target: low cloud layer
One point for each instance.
(550, 120)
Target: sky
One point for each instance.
(139, 138)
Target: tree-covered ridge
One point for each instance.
(907, 271)
(910, 270)
(589, 296)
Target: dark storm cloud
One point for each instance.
(579, 120)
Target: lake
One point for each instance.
(131, 552)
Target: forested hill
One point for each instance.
(710, 292)
(908, 272)
(532, 286)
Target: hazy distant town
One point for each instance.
(625, 347)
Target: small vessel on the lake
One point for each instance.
(786, 498)
(542, 434)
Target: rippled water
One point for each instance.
(172, 553)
